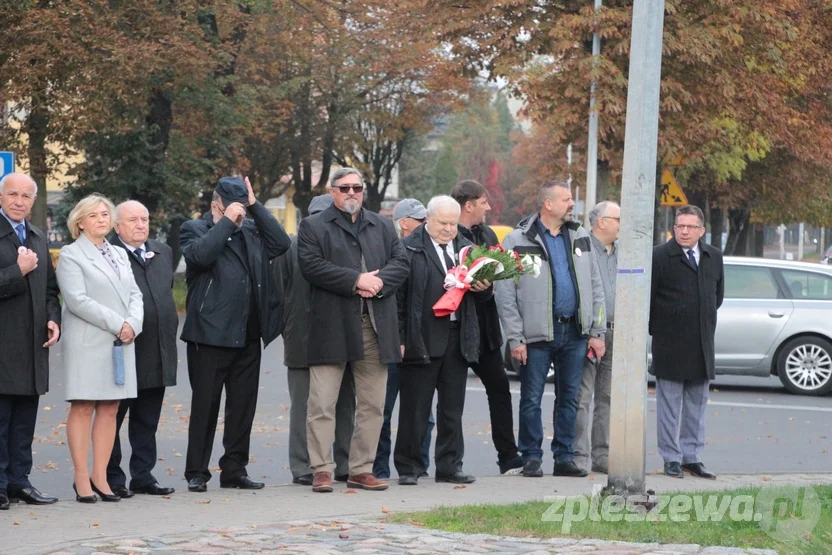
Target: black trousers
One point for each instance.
(145, 411)
(492, 373)
(210, 369)
(18, 415)
(447, 375)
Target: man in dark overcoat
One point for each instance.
(156, 356)
(30, 318)
(355, 264)
(295, 293)
(687, 289)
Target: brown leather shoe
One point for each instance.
(322, 482)
(366, 481)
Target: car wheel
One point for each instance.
(805, 366)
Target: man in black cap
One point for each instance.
(232, 304)
(296, 293)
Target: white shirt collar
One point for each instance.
(143, 246)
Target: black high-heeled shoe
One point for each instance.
(108, 497)
(84, 498)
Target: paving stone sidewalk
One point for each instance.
(334, 537)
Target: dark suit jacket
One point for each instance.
(423, 334)
(27, 303)
(683, 306)
(156, 356)
(329, 253)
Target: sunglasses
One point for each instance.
(346, 188)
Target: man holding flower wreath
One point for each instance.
(437, 346)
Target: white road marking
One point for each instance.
(651, 399)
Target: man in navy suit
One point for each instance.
(30, 319)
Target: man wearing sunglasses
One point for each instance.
(354, 263)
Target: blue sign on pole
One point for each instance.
(6, 163)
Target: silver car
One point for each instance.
(776, 319)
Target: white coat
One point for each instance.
(96, 303)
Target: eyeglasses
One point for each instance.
(346, 188)
(683, 227)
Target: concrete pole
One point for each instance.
(628, 449)
(592, 141)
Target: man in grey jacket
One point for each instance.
(552, 319)
(295, 294)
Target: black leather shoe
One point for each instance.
(342, 477)
(31, 496)
(673, 469)
(408, 480)
(569, 469)
(122, 491)
(4, 501)
(532, 469)
(153, 489)
(108, 497)
(84, 498)
(197, 485)
(305, 480)
(699, 470)
(456, 478)
(243, 482)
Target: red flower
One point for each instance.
(520, 267)
(500, 248)
(516, 257)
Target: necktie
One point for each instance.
(140, 253)
(21, 233)
(692, 259)
(448, 261)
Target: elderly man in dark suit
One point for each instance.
(156, 357)
(30, 318)
(437, 350)
(355, 264)
(687, 289)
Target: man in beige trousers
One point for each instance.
(354, 263)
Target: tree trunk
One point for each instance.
(159, 121)
(37, 128)
(717, 226)
(759, 240)
(738, 220)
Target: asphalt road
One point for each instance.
(753, 426)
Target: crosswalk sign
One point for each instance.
(6, 164)
(671, 193)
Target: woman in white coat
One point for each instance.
(101, 305)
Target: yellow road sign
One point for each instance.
(671, 193)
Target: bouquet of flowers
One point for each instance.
(481, 263)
